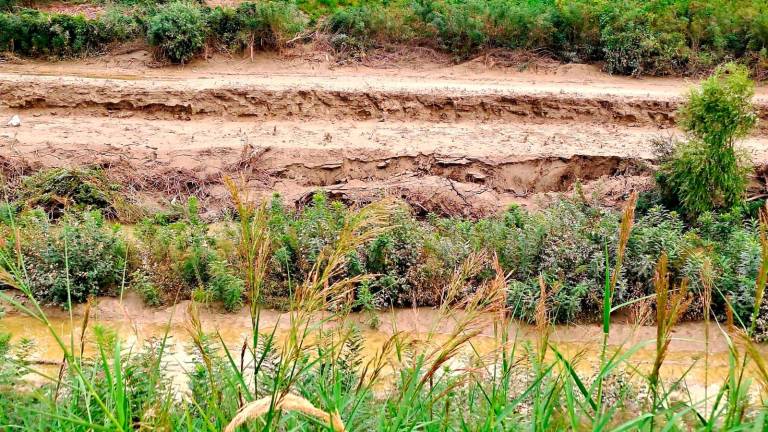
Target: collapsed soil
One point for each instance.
(462, 140)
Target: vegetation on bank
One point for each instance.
(628, 36)
(697, 216)
(317, 378)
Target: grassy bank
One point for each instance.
(659, 37)
(177, 255)
(316, 378)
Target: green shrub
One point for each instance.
(708, 172)
(34, 33)
(177, 253)
(269, 24)
(142, 284)
(459, 26)
(225, 286)
(78, 257)
(120, 24)
(7, 4)
(520, 24)
(177, 30)
(357, 28)
(577, 34)
(225, 27)
(655, 232)
(633, 45)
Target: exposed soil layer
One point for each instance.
(449, 142)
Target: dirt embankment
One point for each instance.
(452, 140)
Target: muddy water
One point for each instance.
(135, 323)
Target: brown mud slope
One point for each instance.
(457, 140)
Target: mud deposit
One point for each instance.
(136, 324)
(451, 140)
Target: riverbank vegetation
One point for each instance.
(626, 36)
(315, 378)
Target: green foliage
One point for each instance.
(269, 24)
(226, 287)
(142, 284)
(708, 172)
(7, 4)
(177, 31)
(632, 37)
(34, 33)
(177, 253)
(121, 25)
(79, 256)
(632, 45)
(181, 257)
(570, 256)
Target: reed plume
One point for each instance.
(287, 402)
(670, 305)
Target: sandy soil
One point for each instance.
(464, 139)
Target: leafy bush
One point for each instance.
(576, 241)
(77, 258)
(657, 231)
(34, 33)
(521, 24)
(142, 284)
(120, 24)
(459, 26)
(177, 252)
(7, 4)
(708, 172)
(356, 28)
(182, 257)
(225, 286)
(269, 24)
(633, 46)
(177, 31)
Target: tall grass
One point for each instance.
(311, 375)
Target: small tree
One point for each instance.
(707, 172)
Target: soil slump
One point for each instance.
(264, 99)
(446, 140)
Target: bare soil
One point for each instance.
(465, 139)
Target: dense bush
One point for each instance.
(34, 33)
(76, 258)
(632, 46)
(179, 257)
(707, 172)
(565, 245)
(7, 4)
(177, 31)
(269, 24)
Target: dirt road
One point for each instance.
(461, 140)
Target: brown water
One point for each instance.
(135, 323)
